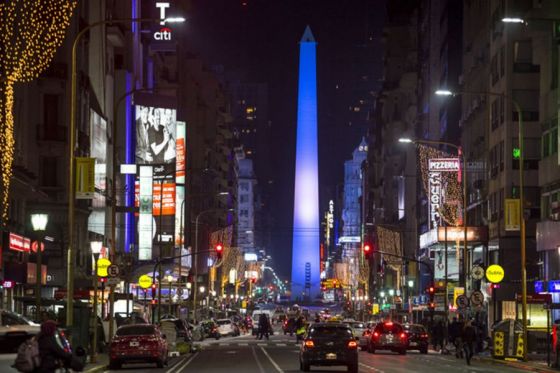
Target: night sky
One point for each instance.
(261, 39)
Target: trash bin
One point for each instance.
(507, 338)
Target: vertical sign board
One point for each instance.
(145, 218)
(434, 185)
(512, 218)
(85, 178)
(180, 168)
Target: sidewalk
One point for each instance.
(99, 366)
(538, 365)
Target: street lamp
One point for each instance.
(71, 151)
(513, 20)
(522, 235)
(39, 223)
(95, 251)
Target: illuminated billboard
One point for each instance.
(98, 151)
(156, 133)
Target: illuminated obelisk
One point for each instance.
(305, 244)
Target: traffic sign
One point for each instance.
(102, 265)
(113, 281)
(113, 270)
(495, 273)
(477, 272)
(145, 281)
(477, 298)
(462, 301)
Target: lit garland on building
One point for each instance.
(31, 32)
(453, 192)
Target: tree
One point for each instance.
(31, 31)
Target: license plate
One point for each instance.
(330, 356)
(134, 344)
(413, 343)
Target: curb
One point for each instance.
(519, 365)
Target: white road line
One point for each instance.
(261, 369)
(280, 344)
(372, 368)
(243, 344)
(272, 361)
(261, 344)
(180, 366)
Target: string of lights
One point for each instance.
(452, 197)
(31, 32)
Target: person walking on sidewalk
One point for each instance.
(468, 337)
(438, 335)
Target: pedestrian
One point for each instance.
(264, 325)
(52, 355)
(437, 335)
(455, 331)
(468, 338)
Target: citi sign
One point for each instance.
(165, 32)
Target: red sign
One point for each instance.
(19, 243)
(8, 284)
(34, 246)
(180, 151)
(78, 294)
(536, 298)
(168, 198)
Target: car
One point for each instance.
(388, 336)
(328, 344)
(15, 329)
(417, 337)
(226, 327)
(358, 327)
(181, 328)
(138, 343)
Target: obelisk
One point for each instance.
(305, 245)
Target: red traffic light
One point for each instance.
(367, 248)
(431, 290)
(219, 248)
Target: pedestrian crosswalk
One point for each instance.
(245, 343)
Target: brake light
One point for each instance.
(309, 344)
(424, 335)
(376, 334)
(388, 324)
(403, 336)
(352, 344)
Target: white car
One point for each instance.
(14, 329)
(225, 327)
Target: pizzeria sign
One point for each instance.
(444, 165)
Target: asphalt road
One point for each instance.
(279, 354)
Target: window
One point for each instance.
(244, 186)
(523, 57)
(136, 330)
(243, 198)
(494, 114)
(49, 169)
(494, 70)
(502, 61)
(529, 102)
(329, 331)
(244, 213)
(52, 129)
(549, 138)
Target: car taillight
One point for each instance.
(352, 344)
(309, 344)
(424, 335)
(376, 334)
(403, 336)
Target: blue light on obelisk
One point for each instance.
(305, 245)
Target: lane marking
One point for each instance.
(183, 366)
(261, 344)
(280, 344)
(272, 361)
(372, 368)
(261, 369)
(243, 344)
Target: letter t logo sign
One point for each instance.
(162, 7)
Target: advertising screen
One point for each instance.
(156, 134)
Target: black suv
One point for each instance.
(417, 337)
(329, 344)
(388, 336)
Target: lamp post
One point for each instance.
(522, 233)
(95, 251)
(71, 151)
(39, 223)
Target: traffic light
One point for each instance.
(154, 287)
(253, 280)
(219, 250)
(367, 248)
(431, 290)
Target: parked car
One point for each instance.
(417, 336)
(225, 327)
(388, 336)
(329, 344)
(210, 329)
(138, 343)
(181, 328)
(15, 329)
